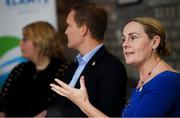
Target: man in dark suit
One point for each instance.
(105, 75)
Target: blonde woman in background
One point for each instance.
(26, 92)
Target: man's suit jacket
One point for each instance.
(105, 80)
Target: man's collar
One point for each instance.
(84, 59)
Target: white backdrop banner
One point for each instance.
(14, 15)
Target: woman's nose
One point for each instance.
(66, 31)
(125, 43)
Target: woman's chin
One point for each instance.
(25, 56)
(129, 62)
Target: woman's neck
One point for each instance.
(148, 70)
(151, 69)
(42, 62)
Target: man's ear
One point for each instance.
(156, 41)
(84, 30)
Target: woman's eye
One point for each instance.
(123, 39)
(132, 38)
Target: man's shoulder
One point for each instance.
(111, 58)
(105, 57)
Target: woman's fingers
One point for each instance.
(58, 92)
(58, 89)
(82, 83)
(65, 90)
(62, 84)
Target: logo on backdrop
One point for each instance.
(19, 2)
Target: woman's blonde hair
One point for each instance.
(45, 37)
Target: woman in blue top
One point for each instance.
(158, 89)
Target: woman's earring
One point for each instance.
(154, 49)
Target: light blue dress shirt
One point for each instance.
(82, 60)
